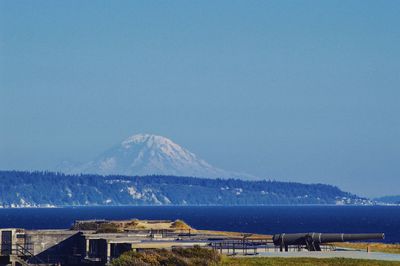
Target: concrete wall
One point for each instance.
(57, 246)
(42, 240)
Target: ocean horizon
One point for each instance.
(248, 219)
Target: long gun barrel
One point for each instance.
(312, 241)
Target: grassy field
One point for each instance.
(198, 256)
(377, 247)
(229, 261)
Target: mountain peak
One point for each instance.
(148, 154)
(149, 139)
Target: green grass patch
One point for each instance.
(258, 261)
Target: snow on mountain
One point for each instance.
(146, 154)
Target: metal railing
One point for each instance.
(23, 251)
(245, 247)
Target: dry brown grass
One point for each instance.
(195, 256)
(133, 224)
(258, 261)
(377, 247)
(181, 225)
(177, 225)
(108, 228)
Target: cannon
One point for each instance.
(312, 241)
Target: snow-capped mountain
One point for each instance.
(146, 154)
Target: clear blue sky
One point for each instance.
(304, 91)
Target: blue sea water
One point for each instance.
(252, 219)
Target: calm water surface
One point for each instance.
(252, 219)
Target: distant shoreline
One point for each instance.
(208, 205)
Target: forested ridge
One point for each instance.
(46, 189)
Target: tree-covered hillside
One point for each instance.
(394, 199)
(33, 189)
